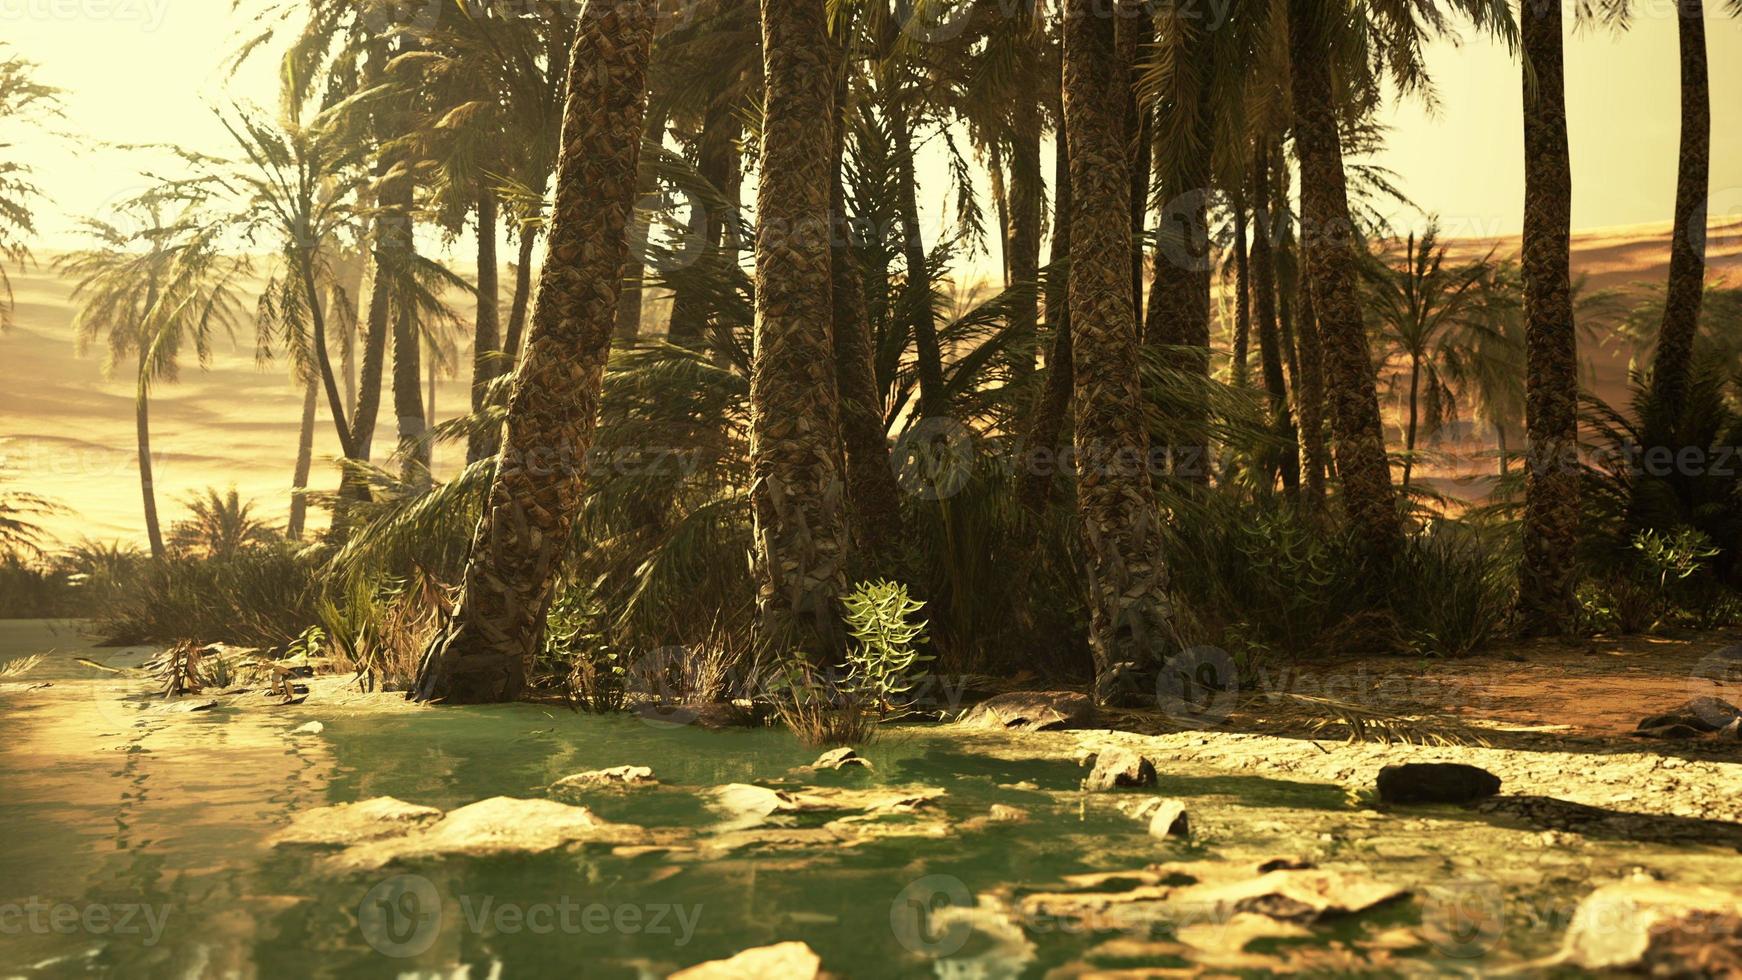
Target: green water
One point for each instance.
(111, 810)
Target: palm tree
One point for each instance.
(485, 650)
(147, 291)
(1430, 315)
(1130, 614)
(1548, 572)
(1328, 241)
(24, 98)
(20, 534)
(219, 526)
(796, 484)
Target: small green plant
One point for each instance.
(1668, 562)
(576, 649)
(885, 643)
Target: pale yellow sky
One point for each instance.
(139, 71)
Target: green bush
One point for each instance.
(260, 597)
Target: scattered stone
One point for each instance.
(1657, 928)
(782, 961)
(840, 758)
(1002, 813)
(1168, 818)
(747, 805)
(1292, 895)
(1436, 782)
(1691, 719)
(356, 823)
(1119, 767)
(616, 777)
(499, 825)
(312, 728)
(1031, 711)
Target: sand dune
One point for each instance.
(67, 431)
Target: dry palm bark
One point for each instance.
(1264, 307)
(1328, 240)
(873, 496)
(796, 484)
(1551, 495)
(487, 330)
(485, 649)
(1129, 611)
(1687, 256)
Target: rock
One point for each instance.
(1691, 718)
(747, 805)
(782, 961)
(1291, 895)
(496, 826)
(312, 728)
(840, 759)
(184, 706)
(620, 777)
(1119, 767)
(1001, 813)
(1168, 819)
(1436, 782)
(1031, 711)
(1657, 928)
(356, 823)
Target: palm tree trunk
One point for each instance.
(873, 496)
(1551, 497)
(305, 449)
(1328, 240)
(932, 399)
(486, 649)
(1409, 433)
(517, 308)
(408, 407)
(796, 486)
(147, 482)
(1687, 256)
(1265, 295)
(487, 330)
(1310, 395)
(1027, 192)
(324, 363)
(1130, 614)
(717, 163)
(629, 299)
(1238, 370)
(1178, 313)
(1133, 29)
(1044, 436)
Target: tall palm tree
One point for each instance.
(1328, 238)
(1548, 572)
(1130, 613)
(796, 484)
(21, 98)
(151, 287)
(485, 650)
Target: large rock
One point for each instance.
(1657, 928)
(782, 961)
(1032, 711)
(496, 826)
(1436, 782)
(1291, 895)
(1119, 768)
(618, 777)
(1691, 718)
(356, 823)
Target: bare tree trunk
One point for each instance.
(147, 480)
(1238, 369)
(1264, 294)
(1130, 613)
(305, 447)
(1044, 429)
(800, 535)
(1310, 396)
(629, 299)
(1027, 193)
(522, 300)
(1328, 240)
(408, 396)
(1548, 574)
(717, 163)
(486, 649)
(932, 400)
(1687, 255)
(487, 329)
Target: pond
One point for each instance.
(135, 843)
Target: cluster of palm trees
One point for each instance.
(624, 140)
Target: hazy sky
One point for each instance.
(147, 71)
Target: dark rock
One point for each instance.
(1119, 767)
(1436, 782)
(1698, 715)
(1032, 711)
